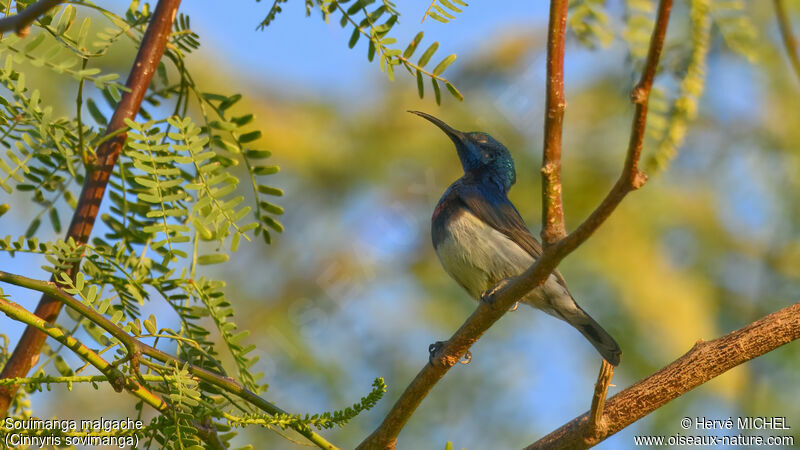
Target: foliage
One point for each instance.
(365, 23)
(177, 203)
(443, 10)
(590, 23)
(671, 112)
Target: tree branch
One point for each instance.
(26, 353)
(490, 310)
(136, 347)
(117, 379)
(553, 227)
(596, 423)
(789, 41)
(706, 360)
(20, 22)
(111, 374)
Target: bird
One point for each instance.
(481, 239)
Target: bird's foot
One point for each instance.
(434, 358)
(433, 351)
(489, 294)
(514, 306)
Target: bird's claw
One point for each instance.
(433, 353)
(488, 295)
(514, 306)
(433, 349)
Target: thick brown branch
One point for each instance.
(20, 22)
(488, 312)
(703, 362)
(152, 47)
(788, 37)
(553, 227)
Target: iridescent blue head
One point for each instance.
(479, 153)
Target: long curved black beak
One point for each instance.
(455, 135)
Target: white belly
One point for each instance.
(478, 257)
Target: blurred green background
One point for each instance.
(352, 289)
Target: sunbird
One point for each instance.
(481, 240)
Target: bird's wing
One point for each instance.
(498, 212)
(495, 209)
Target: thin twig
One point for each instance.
(117, 379)
(135, 348)
(48, 379)
(596, 424)
(205, 430)
(555, 104)
(147, 59)
(20, 21)
(788, 37)
(705, 361)
(427, 11)
(488, 312)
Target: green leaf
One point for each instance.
(150, 324)
(33, 227)
(79, 282)
(266, 170)
(249, 137)
(412, 46)
(444, 13)
(420, 85)
(454, 91)
(272, 223)
(258, 154)
(54, 220)
(443, 65)
(103, 306)
(83, 33)
(66, 20)
(62, 367)
(213, 258)
(70, 199)
(437, 93)
(269, 207)
(354, 38)
(437, 17)
(268, 190)
(31, 46)
(427, 55)
(449, 5)
(235, 241)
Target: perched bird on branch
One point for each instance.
(481, 239)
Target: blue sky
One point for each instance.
(305, 53)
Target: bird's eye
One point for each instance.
(486, 155)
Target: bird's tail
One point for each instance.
(600, 339)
